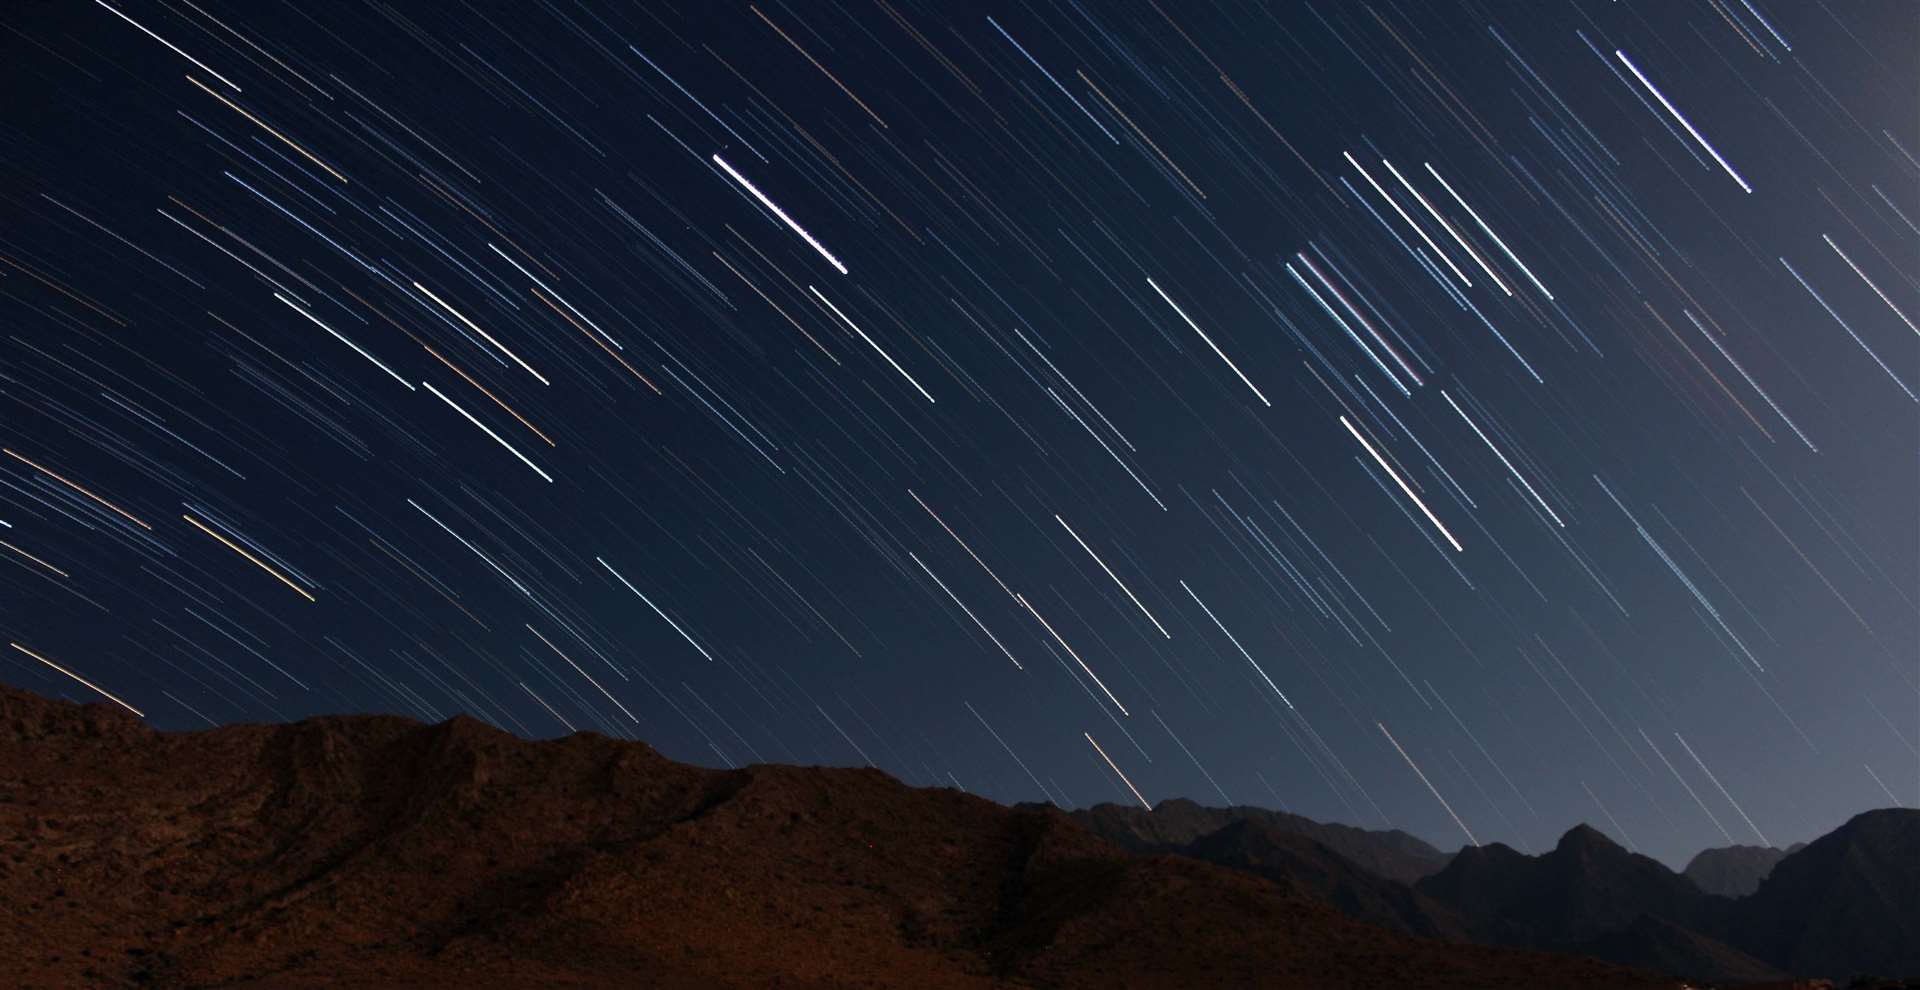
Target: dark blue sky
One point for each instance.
(1474, 418)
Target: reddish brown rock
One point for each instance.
(378, 852)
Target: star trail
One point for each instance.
(1418, 415)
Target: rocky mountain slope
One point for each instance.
(1847, 903)
(1585, 887)
(1392, 854)
(1844, 905)
(1300, 863)
(379, 852)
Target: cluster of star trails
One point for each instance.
(1084, 402)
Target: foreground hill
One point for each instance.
(379, 852)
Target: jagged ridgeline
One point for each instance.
(372, 851)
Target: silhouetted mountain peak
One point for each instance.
(1487, 855)
(1879, 824)
(1584, 887)
(1587, 841)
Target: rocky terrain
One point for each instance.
(379, 852)
(1844, 905)
(1847, 903)
(1393, 854)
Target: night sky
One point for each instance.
(1467, 418)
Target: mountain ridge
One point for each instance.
(1842, 905)
(1736, 870)
(1174, 822)
(372, 851)
(291, 855)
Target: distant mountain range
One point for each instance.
(377, 852)
(1845, 904)
(1735, 871)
